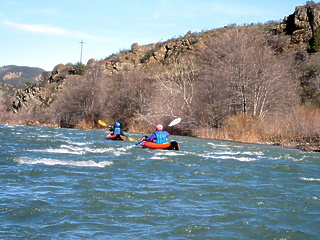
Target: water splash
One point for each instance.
(50, 161)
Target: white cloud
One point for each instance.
(36, 28)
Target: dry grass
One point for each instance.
(298, 128)
(301, 127)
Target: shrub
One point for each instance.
(79, 68)
(314, 42)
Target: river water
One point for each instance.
(74, 184)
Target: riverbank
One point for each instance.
(306, 143)
(312, 145)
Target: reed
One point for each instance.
(300, 126)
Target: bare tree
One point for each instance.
(80, 99)
(309, 74)
(5, 106)
(244, 75)
(129, 95)
(176, 89)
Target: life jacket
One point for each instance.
(161, 137)
(116, 131)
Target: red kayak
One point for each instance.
(116, 137)
(166, 146)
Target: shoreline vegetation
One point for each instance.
(251, 84)
(296, 131)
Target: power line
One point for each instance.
(82, 42)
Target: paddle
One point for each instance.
(102, 123)
(174, 122)
(131, 139)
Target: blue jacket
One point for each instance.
(116, 131)
(158, 137)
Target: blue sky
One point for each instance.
(39, 33)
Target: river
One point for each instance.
(74, 184)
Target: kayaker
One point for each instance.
(117, 129)
(159, 136)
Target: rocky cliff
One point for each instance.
(137, 56)
(302, 23)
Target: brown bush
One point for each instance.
(242, 74)
(79, 100)
(299, 126)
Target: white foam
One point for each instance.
(62, 150)
(310, 179)
(10, 126)
(66, 149)
(49, 161)
(158, 158)
(125, 148)
(240, 153)
(44, 136)
(244, 159)
(218, 145)
(170, 153)
(241, 159)
(76, 143)
(226, 155)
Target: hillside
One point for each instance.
(18, 74)
(295, 31)
(223, 83)
(14, 77)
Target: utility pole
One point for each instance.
(82, 42)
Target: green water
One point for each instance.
(74, 184)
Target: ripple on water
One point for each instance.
(74, 184)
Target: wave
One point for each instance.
(66, 149)
(76, 143)
(50, 150)
(223, 155)
(44, 136)
(170, 153)
(157, 158)
(49, 161)
(253, 153)
(310, 179)
(228, 157)
(241, 159)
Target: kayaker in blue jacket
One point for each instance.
(159, 136)
(116, 129)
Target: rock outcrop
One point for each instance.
(302, 23)
(20, 74)
(11, 75)
(31, 97)
(61, 71)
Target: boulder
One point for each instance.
(302, 23)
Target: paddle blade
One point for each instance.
(102, 123)
(132, 139)
(174, 122)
